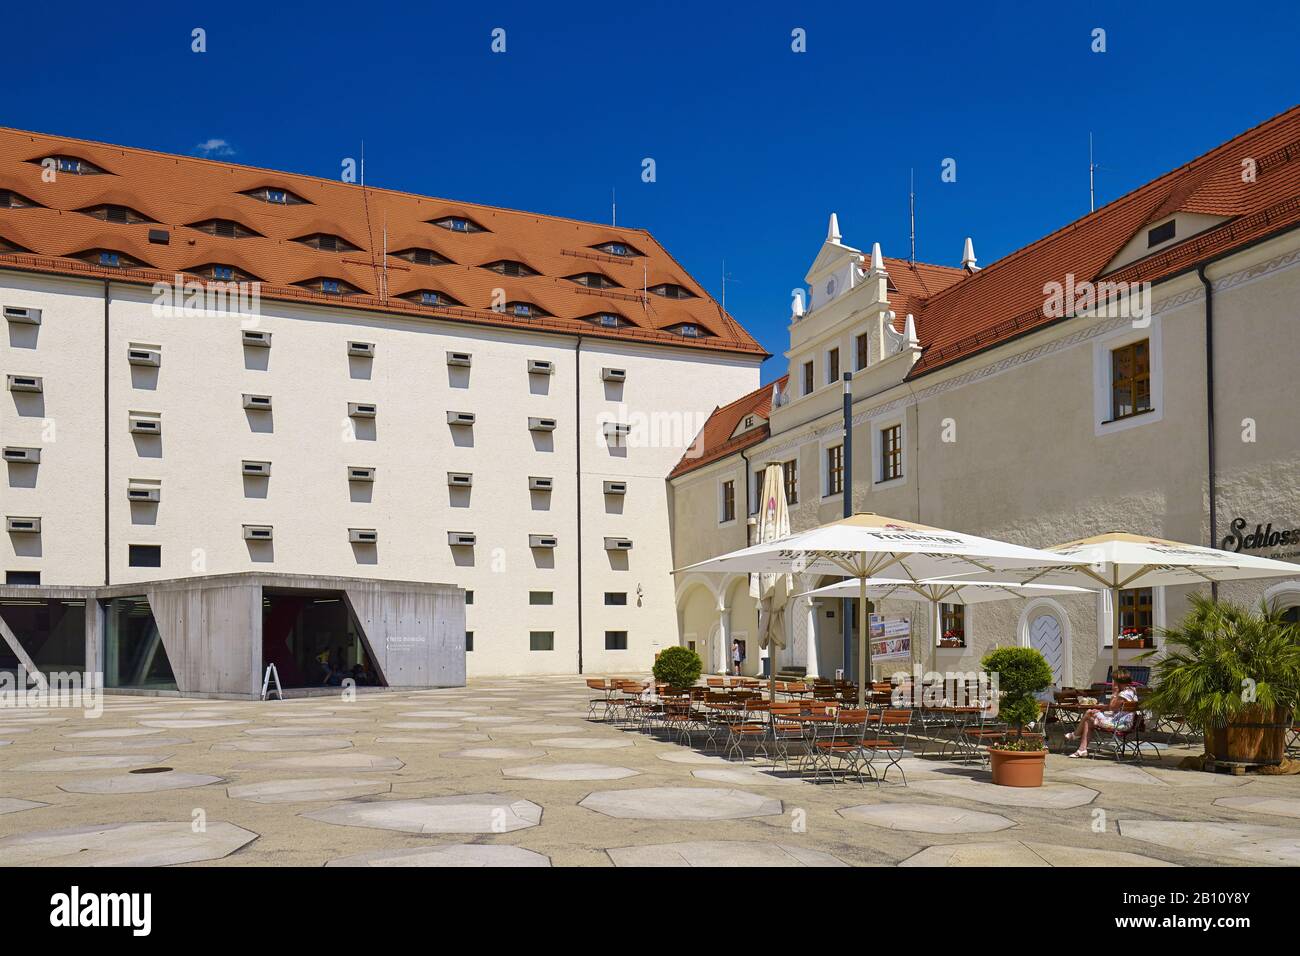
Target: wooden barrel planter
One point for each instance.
(1255, 738)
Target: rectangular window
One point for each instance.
(616, 640)
(541, 640)
(790, 475)
(808, 378)
(469, 597)
(952, 625)
(616, 598)
(891, 453)
(834, 470)
(1136, 618)
(144, 555)
(1130, 379)
(832, 366)
(1161, 233)
(728, 501)
(23, 577)
(863, 349)
(536, 598)
(469, 641)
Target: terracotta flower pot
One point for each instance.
(1017, 768)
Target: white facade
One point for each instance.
(80, 421)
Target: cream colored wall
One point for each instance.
(1029, 466)
(307, 499)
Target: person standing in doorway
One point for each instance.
(737, 656)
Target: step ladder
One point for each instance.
(271, 674)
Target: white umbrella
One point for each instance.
(1118, 561)
(772, 590)
(944, 591)
(865, 546)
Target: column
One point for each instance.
(811, 664)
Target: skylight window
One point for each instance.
(457, 224)
(670, 290)
(276, 196)
(224, 229)
(421, 257)
(222, 272)
(12, 200)
(432, 297)
(327, 242)
(70, 165)
(525, 310)
(328, 285)
(111, 259)
(593, 280)
(620, 249)
(688, 330)
(119, 214)
(510, 267)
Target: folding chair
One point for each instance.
(604, 701)
(751, 726)
(840, 741)
(1129, 741)
(889, 743)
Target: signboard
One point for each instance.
(891, 638)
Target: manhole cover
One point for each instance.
(152, 770)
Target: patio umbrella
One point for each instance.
(944, 591)
(865, 546)
(772, 590)
(1118, 560)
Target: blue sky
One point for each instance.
(754, 144)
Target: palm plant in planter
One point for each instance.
(1022, 672)
(1233, 672)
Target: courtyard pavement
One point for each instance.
(508, 772)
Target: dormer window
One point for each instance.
(607, 320)
(421, 257)
(688, 330)
(620, 249)
(70, 165)
(119, 214)
(593, 280)
(1161, 234)
(327, 242)
(220, 272)
(525, 310)
(12, 200)
(7, 246)
(225, 229)
(111, 259)
(276, 196)
(328, 285)
(432, 297)
(457, 224)
(670, 290)
(511, 267)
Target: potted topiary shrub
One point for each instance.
(1234, 673)
(1021, 673)
(678, 666)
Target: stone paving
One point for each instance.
(508, 772)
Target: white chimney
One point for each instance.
(968, 256)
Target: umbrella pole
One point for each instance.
(1114, 632)
(864, 646)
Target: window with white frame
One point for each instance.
(727, 502)
(832, 366)
(834, 470)
(1128, 379)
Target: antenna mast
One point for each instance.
(613, 207)
(1092, 168)
(911, 211)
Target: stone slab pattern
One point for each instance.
(124, 844)
(467, 813)
(730, 853)
(681, 803)
(451, 854)
(926, 818)
(1026, 854)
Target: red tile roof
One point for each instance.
(179, 191)
(959, 313)
(1006, 299)
(715, 439)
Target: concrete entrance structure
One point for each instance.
(210, 629)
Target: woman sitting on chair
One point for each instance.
(1114, 718)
